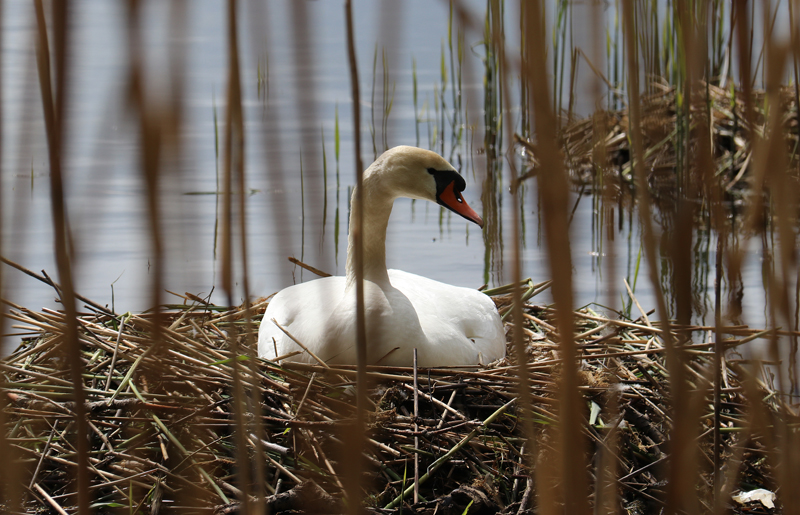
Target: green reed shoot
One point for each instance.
(302, 214)
(428, 122)
(388, 101)
(456, 124)
(442, 100)
(217, 178)
(372, 103)
(434, 122)
(416, 110)
(559, 47)
(336, 147)
(324, 184)
(262, 78)
(458, 102)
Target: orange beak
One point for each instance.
(452, 200)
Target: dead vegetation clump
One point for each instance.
(162, 421)
(601, 144)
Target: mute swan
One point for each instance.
(449, 325)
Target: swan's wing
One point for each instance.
(461, 324)
(302, 310)
(321, 314)
(393, 329)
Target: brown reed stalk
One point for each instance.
(784, 204)
(8, 491)
(676, 482)
(150, 128)
(306, 107)
(158, 129)
(53, 107)
(794, 33)
(745, 54)
(233, 172)
(258, 16)
(770, 174)
(701, 181)
(719, 350)
(524, 404)
(554, 201)
(252, 402)
(740, 21)
(355, 441)
(606, 469)
(794, 6)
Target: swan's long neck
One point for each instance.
(377, 208)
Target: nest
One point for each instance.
(600, 145)
(161, 404)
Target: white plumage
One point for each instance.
(449, 325)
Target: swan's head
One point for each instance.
(421, 174)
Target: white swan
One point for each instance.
(449, 325)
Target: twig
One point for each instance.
(308, 267)
(43, 454)
(305, 395)
(636, 301)
(295, 340)
(416, 429)
(441, 461)
(116, 350)
(55, 285)
(52, 502)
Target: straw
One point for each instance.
(175, 432)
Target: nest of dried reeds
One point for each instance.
(161, 414)
(600, 145)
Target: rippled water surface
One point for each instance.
(296, 86)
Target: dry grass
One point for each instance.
(161, 421)
(730, 134)
(606, 135)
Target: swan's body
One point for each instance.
(449, 325)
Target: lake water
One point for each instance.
(295, 80)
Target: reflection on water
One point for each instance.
(435, 82)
